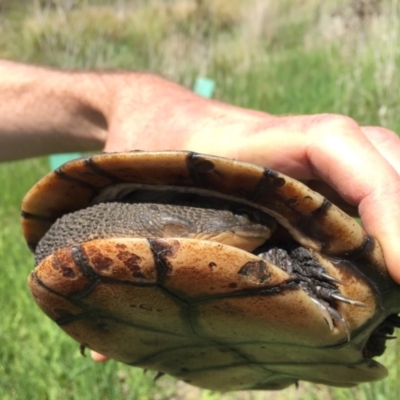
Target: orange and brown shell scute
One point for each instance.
(208, 313)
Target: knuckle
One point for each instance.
(330, 123)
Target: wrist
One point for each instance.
(148, 112)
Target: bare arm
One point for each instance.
(40, 112)
(43, 111)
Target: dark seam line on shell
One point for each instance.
(270, 173)
(43, 285)
(160, 262)
(264, 366)
(85, 291)
(37, 217)
(97, 315)
(361, 250)
(76, 317)
(64, 176)
(213, 343)
(192, 320)
(247, 359)
(305, 223)
(270, 291)
(267, 365)
(81, 261)
(107, 280)
(191, 166)
(322, 210)
(264, 183)
(172, 294)
(100, 171)
(275, 290)
(372, 276)
(49, 289)
(199, 167)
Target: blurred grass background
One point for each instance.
(286, 57)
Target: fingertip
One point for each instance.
(98, 357)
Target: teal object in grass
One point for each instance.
(56, 160)
(204, 87)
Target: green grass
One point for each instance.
(298, 57)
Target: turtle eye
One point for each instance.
(242, 218)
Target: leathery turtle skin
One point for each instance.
(223, 274)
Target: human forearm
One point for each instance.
(43, 111)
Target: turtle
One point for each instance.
(223, 274)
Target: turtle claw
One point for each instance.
(324, 311)
(340, 297)
(330, 278)
(320, 273)
(334, 294)
(330, 315)
(340, 321)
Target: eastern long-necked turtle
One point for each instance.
(224, 274)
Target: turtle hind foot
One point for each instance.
(312, 277)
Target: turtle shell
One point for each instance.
(209, 313)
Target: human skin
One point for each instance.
(46, 111)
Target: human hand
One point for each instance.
(355, 167)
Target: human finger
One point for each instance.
(98, 357)
(386, 142)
